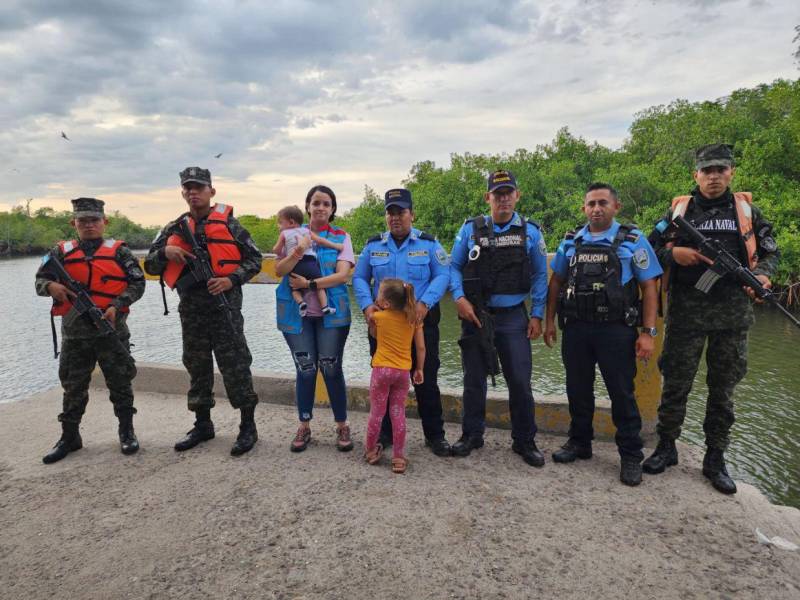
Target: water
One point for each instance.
(765, 448)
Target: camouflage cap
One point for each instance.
(197, 175)
(87, 207)
(713, 155)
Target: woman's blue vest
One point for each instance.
(287, 310)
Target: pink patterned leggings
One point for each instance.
(389, 384)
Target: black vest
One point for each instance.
(502, 265)
(719, 223)
(594, 291)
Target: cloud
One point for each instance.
(352, 92)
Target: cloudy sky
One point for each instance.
(342, 92)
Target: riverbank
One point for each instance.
(323, 524)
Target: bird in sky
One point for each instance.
(64, 135)
(218, 155)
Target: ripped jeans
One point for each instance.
(319, 348)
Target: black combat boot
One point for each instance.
(715, 471)
(69, 442)
(529, 453)
(466, 444)
(203, 430)
(665, 455)
(248, 435)
(630, 471)
(572, 450)
(127, 438)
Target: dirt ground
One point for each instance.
(323, 524)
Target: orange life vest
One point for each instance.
(744, 214)
(222, 247)
(101, 274)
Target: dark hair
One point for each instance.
(400, 296)
(291, 213)
(599, 185)
(325, 190)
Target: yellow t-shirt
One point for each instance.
(395, 335)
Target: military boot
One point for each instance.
(715, 471)
(630, 471)
(203, 430)
(665, 455)
(127, 438)
(248, 435)
(69, 442)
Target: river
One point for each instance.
(765, 446)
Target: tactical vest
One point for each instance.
(223, 251)
(101, 274)
(502, 265)
(729, 224)
(594, 291)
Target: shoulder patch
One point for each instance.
(542, 247)
(441, 257)
(641, 259)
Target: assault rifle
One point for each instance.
(200, 271)
(724, 263)
(484, 335)
(82, 305)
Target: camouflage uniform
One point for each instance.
(82, 345)
(723, 317)
(206, 329)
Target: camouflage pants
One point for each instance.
(726, 358)
(208, 331)
(76, 363)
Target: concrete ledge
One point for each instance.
(552, 412)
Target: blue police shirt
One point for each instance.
(537, 253)
(637, 258)
(422, 263)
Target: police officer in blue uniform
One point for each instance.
(497, 262)
(598, 272)
(416, 257)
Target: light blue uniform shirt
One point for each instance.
(420, 262)
(537, 254)
(637, 258)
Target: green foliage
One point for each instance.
(21, 233)
(654, 164)
(263, 231)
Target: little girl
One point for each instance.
(394, 327)
(290, 219)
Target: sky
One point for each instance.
(346, 93)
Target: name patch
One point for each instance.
(418, 253)
(378, 254)
(592, 258)
(514, 239)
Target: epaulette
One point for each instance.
(375, 238)
(426, 236)
(469, 220)
(629, 235)
(571, 233)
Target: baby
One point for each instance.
(290, 221)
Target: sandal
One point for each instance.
(343, 441)
(373, 456)
(301, 439)
(399, 465)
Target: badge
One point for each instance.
(641, 259)
(441, 257)
(542, 247)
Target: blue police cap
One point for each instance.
(397, 197)
(500, 179)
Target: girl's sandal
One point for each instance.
(399, 465)
(343, 441)
(374, 456)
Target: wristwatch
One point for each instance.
(652, 331)
(312, 285)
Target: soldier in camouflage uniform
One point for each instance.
(111, 274)
(723, 316)
(204, 324)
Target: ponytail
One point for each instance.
(410, 307)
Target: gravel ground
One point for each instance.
(323, 524)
